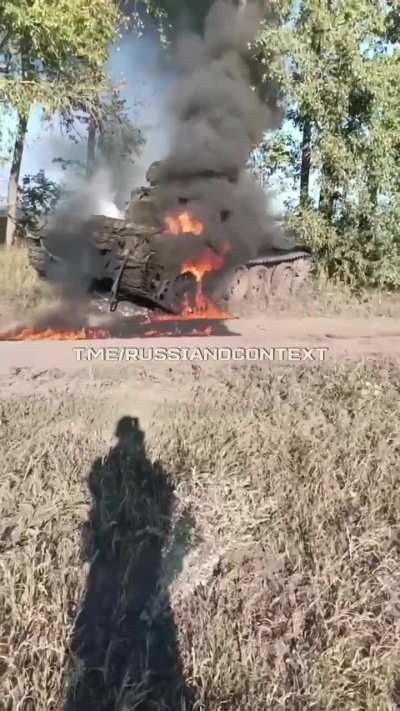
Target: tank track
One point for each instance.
(267, 278)
(275, 275)
(129, 264)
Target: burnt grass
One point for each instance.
(290, 478)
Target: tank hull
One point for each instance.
(134, 260)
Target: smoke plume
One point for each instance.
(215, 117)
(218, 117)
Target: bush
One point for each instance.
(360, 257)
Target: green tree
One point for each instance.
(337, 62)
(119, 141)
(51, 54)
(112, 137)
(39, 197)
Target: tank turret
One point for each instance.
(154, 173)
(142, 207)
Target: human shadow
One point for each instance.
(124, 649)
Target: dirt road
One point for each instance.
(342, 337)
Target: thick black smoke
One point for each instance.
(218, 117)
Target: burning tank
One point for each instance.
(167, 261)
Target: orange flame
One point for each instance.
(202, 309)
(50, 334)
(183, 224)
(204, 263)
(208, 261)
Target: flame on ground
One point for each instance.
(50, 334)
(137, 329)
(201, 308)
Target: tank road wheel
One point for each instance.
(301, 270)
(175, 293)
(239, 284)
(183, 291)
(260, 280)
(281, 280)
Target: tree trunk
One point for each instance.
(91, 149)
(326, 198)
(305, 164)
(13, 182)
(373, 191)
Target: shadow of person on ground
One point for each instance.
(124, 650)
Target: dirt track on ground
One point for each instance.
(139, 386)
(343, 337)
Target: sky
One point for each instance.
(139, 63)
(145, 84)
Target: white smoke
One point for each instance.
(139, 65)
(143, 67)
(100, 195)
(109, 209)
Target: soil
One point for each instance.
(32, 366)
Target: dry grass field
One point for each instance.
(242, 553)
(21, 290)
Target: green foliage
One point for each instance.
(6, 133)
(52, 54)
(338, 65)
(135, 12)
(192, 12)
(119, 138)
(117, 141)
(54, 51)
(359, 258)
(38, 197)
(67, 164)
(277, 155)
